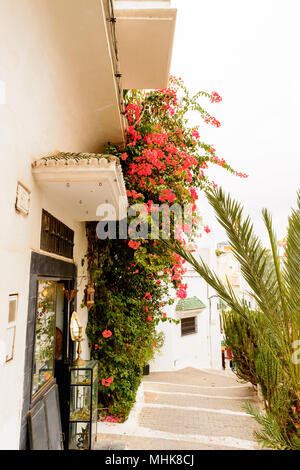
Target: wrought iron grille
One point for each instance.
(188, 326)
(56, 237)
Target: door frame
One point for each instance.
(41, 267)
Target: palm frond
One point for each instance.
(270, 434)
(292, 275)
(247, 249)
(269, 359)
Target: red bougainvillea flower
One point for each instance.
(213, 121)
(96, 347)
(193, 193)
(182, 291)
(207, 229)
(154, 344)
(107, 382)
(241, 175)
(134, 244)
(106, 334)
(216, 98)
(147, 296)
(124, 156)
(167, 195)
(149, 318)
(109, 419)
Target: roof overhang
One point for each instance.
(189, 313)
(89, 186)
(189, 307)
(145, 40)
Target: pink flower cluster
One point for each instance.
(107, 382)
(195, 134)
(110, 419)
(182, 291)
(216, 98)
(133, 244)
(193, 193)
(134, 194)
(218, 161)
(134, 135)
(213, 121)
(106, 334)
(167, 195)
(132, 111)
(241, 175)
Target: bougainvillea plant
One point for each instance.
(164, 163)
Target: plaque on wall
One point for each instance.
(22, 199)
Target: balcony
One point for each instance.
(83, 182)
(145, 33)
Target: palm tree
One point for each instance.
(275, 285)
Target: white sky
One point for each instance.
(247, 51)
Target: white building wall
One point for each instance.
(35, 117)
(201, 350)
(229, 268)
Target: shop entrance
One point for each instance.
(52, 352)
(49, 350)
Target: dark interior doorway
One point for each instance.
(49, 350)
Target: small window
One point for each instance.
(56, 237)
(188, 326)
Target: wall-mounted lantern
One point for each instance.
(89, 292)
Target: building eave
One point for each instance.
(145, 42)
(83, 182)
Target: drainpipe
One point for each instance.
(209, 329)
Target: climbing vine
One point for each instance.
(164, 162)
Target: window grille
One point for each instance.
(188, 326)
(56, 237)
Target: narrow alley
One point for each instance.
(186, 410)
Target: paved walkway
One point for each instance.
(186, 410)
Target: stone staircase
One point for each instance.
(187, 409)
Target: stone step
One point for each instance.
(126, 442)
(190, 376)
(191, 400)
(185, 421)
(237, 391)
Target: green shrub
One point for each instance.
(272, 357)
(241, 338)
(122, 310)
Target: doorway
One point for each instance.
(49, 351)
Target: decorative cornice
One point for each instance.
(58, 164)
(64, 159)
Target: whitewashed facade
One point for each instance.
(200, 349)
(60, 93)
